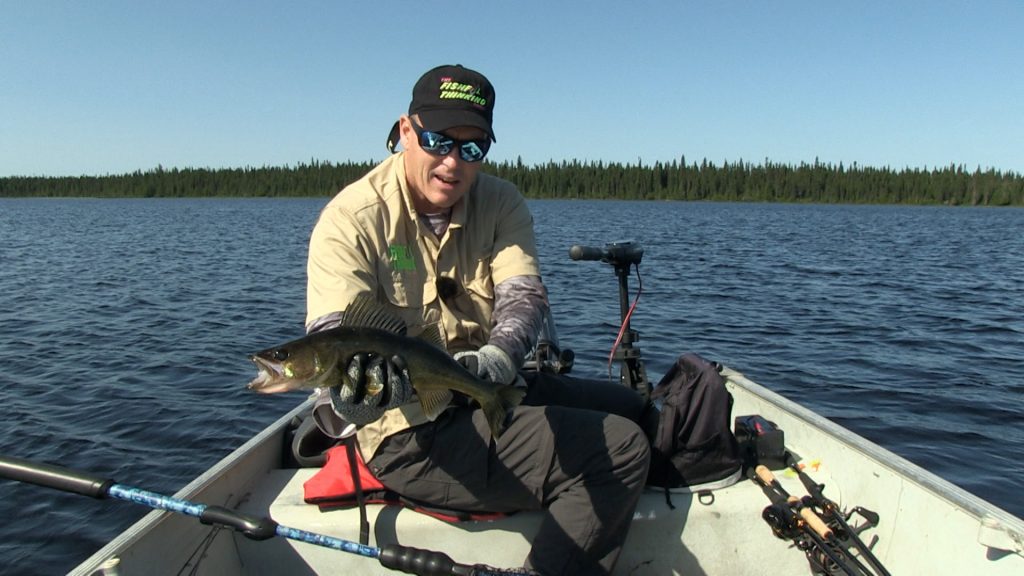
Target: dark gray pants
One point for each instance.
(572, 449)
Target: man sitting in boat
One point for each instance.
(448, 249)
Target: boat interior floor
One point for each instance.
(724, 525)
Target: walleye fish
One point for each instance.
(319, 360)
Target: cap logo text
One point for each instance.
(457, 91)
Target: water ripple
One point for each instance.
(126, 323)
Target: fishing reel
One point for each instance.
(547, 356)
(822, 563)
(784, 522)
(833, 556)
(839, 521)
(787, 525)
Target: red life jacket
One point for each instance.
(335, 484)
(345, 481)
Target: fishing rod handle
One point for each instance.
(431, 563)
(831, 510)
(422, 562)
(412, 560)
(815, 495)
(765, 475)
(53, 476)
(813, 488)
(809, 516)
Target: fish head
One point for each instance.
(288, 367)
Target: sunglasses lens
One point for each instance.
(436, 143)
(474, 151)
(441, 145)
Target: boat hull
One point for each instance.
(927, 525)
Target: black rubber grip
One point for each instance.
(586, 253)
(52, 476)
(423, 562)
(253, 527)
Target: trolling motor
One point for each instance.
(622, 256)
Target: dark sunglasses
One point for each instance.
(441, 145)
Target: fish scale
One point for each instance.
(320, 360)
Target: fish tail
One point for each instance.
(505, 398)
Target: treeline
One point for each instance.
(677, 180)
(767, 182)
(314, 179)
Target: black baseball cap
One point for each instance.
(450, 96)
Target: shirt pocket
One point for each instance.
(407, 296)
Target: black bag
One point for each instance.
(694, 446)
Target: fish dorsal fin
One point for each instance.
(434, 402)
(433, 336)
(365, 312)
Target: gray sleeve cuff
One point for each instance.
(327, 420)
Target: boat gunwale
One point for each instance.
(955, 495)
(125, 539)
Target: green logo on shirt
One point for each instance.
(401, 258)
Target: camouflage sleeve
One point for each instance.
(329, 320)
(520, 305)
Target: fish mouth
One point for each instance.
(269, 379)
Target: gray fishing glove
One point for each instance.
(490, 363)
(370, 386)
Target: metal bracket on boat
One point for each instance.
(999, 537)
(108, 568)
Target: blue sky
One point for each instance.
(107, 87)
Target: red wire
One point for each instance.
(625, 322)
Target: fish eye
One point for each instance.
(280, 354)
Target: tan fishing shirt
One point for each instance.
(369, 240)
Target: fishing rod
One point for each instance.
(393, 556)
(790, 519)
(831, 511)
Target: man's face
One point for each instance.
(437, 182)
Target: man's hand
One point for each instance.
(370, 386)
(490, 363)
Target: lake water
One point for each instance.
(125, 325)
